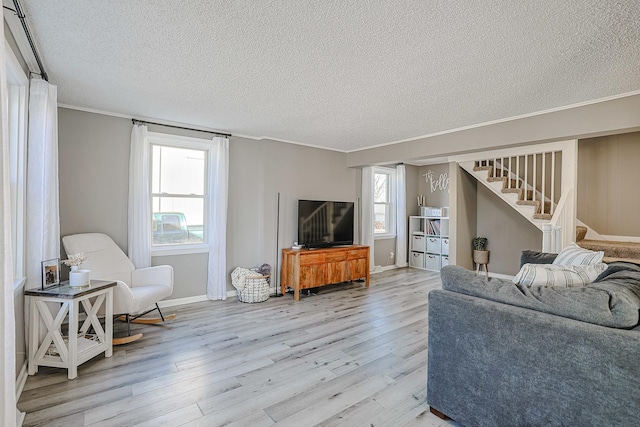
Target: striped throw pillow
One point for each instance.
(575, 255)
(564, 276)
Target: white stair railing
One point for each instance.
(561, 229)
(523, 172)
(544, 173)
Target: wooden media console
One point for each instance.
(305, 268)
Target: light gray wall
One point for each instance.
(14, 47)
(463, 216)
(509, 233)
(382, 251)
(608, 177)
(94, 159)
(93, 164)
(413, 189)
(435, 195)
(604, 118)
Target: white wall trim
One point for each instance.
(21, 380)
(499, 276)
(506, 119)
(194, 127)
(390, 267)
(190, 300)
(415, 138)
(629, 239)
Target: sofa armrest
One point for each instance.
(493, 364)
(160, 275)
(535, 257)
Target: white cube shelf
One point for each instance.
(429, 239)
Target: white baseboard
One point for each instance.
(21, 380)
(379, 269)
(191, 300)
(500, 276)
(20, 417)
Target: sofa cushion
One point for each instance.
(535, 257)
(575, 255)
(614, 302)
(566, 276)
(616, 266)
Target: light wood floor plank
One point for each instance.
(344, 356)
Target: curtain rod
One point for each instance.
(23, 21)
(136, 122)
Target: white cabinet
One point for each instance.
(418, 243)
(433, 244)
(429, 240)
(416, 259)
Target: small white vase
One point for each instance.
(79, 278)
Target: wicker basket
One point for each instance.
(480, 257)
(257, 289)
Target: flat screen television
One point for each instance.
(324, 223)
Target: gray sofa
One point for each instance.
(502, 355)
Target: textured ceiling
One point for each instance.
(338, 74)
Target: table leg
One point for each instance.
(108, 323)
(73, 340)
(34, 331)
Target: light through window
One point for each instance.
(178, 194)
(383, 203)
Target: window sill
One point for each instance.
(157, 251)
(383, 236)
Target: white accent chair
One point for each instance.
(137, 291)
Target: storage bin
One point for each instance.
(418, 243)
(445, 246)
(432, 262)
(416, 259)
(433, 244)
(445, 260)
(429, 211)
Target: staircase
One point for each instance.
(537, 181)
(515, 186)
(613, 250)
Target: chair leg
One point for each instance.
(128, 325)
(159, 311)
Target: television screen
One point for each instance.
(325, 223)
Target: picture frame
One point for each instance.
(50, 273)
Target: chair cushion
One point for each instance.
(146, 296)
(105, 259)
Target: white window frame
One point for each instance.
(391, 181)
(17, 111)
(177, 141)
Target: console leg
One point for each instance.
(438, 414)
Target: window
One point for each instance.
(16, 105)
(178, 191)
(384, 210)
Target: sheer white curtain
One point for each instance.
(367, 212)
(217, 218)
(7, 332)
(43, 214)
(401, 216)
(139, 239)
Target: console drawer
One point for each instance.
(307, 259)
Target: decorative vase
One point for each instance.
(480, 257)
(79, 278)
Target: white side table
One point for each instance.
(77, 347)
